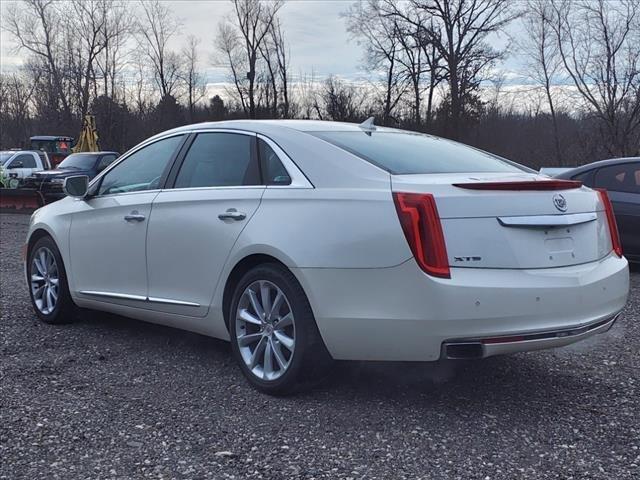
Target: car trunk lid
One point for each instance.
(514, 220)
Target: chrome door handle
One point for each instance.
(134, 217)
(232, 214)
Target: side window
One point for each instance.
(26, 159)
(619, 178)
(219, 160)
(105, 162)
(272, 169)
(585, 177)
(141, 170)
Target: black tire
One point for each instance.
(310, 360)
(64, 310)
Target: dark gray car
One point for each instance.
(621, 178)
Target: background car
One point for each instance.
(20, 164)
(86, 163)
(306, 241)
(621, 178)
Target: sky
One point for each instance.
(314, 29)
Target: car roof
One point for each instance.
(51, 137)
(598, 164)
(105, 152)
(267, 125)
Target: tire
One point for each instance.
(48, 308)
(291, 367)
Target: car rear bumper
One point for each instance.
(400, 313)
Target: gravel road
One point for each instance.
(109, 397)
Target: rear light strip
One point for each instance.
(611, 220)
(421, 225)
(522, 185)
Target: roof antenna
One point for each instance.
(368, 125)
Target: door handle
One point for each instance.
(232, 214)
(134, 217)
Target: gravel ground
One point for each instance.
(109, 397)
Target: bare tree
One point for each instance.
(458, 30)
(155, 29)
(192, 78)
(598, 43)
(241, 43)
(380, 37)
(34, 25)
(543, 57)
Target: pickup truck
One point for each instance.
(17, 165)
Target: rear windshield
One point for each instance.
(404, 153)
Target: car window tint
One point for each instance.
(219, 160)
(141, 170)
(411, 153)
(273, 171)
(585, 177)
(27, 161)
(619, 178)
(105, 162)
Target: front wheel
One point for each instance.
(274, 337)
(47, 281)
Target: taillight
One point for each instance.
(420, 222)
(611, 220)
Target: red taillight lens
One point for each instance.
(520, 185)
(420, 222)
(611, 220)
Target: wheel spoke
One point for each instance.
(39, 291)
(275, 308)
(244, 340)
(54, 281)
(265, 296)
(255, 303)
(39, 267)
(267, 368)
(255, 356)
(37, 278)
(282, 363)
(54, 294)
(285, 322)
(247, 317)
(47, 296)
(43, 261)
(284, 339)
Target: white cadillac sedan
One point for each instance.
(306, 241)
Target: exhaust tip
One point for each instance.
(464, 351)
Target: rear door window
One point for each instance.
(26, 159)
(219, 160)
(273, 171)
(403, 153)
(624, 177)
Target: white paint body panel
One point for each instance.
(339, 233)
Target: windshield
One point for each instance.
(78, 161)
(5, 156)
(401, 153)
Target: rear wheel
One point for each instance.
(47, 282)
(274, 336)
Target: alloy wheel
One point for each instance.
(265, 330)
(45, 280)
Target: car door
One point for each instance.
(108, 234)
(622, 182)
(22, 165)
(194, 225)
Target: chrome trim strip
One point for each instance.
(139, 298)
(172, 302)
(548, 220)
(123, 296)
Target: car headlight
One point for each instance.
(59, 181)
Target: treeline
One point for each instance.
(431, 65)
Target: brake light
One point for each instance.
(522, 185)
(611, 220)
(421, 225)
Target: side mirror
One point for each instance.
(17, 164)
(76, 186)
